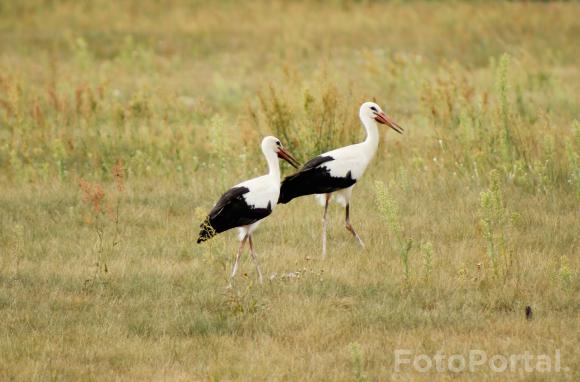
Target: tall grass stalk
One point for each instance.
(389, 210)
(495, 223)
(357, 362)
(502, 87)
(427, 251)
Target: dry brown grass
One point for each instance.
(121, 124)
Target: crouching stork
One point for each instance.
(247, 203)
(337, 171)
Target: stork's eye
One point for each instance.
(278, 143)
(373, 108)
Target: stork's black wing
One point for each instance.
(313, 178)
(231, 211)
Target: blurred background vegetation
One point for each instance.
(169, 86)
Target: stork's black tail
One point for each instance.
(291, 188)
(206, 232)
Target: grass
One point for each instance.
(121, 123)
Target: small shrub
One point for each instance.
(357, 362)
(105, 212)
(565, 273)
(427, 251)
(495, 221)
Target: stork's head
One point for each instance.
(273, 144)
(370, 110)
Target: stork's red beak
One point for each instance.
(381, 117)
(282, 153)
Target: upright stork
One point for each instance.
(247, 203)
(338, 170)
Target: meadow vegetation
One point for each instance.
(121, 123)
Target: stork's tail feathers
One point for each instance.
(206, 232)
(289, 189)
(284, 197)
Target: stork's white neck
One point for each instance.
(372, 140)
(273, 165)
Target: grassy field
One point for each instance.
(121, 123)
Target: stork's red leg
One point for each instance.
(350, 228)
(260, 279)
(238, 255)
(326, 200)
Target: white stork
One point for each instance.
(338, 170)
(247, 203)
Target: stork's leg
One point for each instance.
(326, 200)
(349, 226)
(255, 259)
(238, 255)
